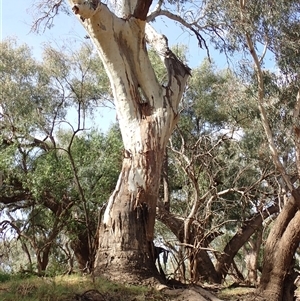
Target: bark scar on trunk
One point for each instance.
(139, 197)
(145, 109)
(75, 9)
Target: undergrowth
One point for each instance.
(69, 288)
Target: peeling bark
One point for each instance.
(147, 113)
(277, 274)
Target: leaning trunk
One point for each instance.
(225, 260)
(277, 275)
(82, 253)
(205, 270)
(147, 113)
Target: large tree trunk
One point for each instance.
(277, 274)
(147, 113)
(127, 231)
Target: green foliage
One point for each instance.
(82, 73)
(99, 160)
(56, 173)
(4, 277)
(26, 90)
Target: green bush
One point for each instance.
(4, 277)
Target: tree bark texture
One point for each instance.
(251, 256)
(277, 275)
(82, 252)
(239, 239)
(147, 113)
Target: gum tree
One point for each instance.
(265, 32)
(147, 113)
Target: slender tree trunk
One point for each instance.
(251, 257)
(277, 275)
(43, 259)
(25, 249)
(165, 183)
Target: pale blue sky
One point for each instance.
(17, 19)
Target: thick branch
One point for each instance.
(240, 238)
(20, 194)
(15, 198)
(178, 73)
(172, 221)
(141, 9)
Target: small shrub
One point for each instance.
(4, 277)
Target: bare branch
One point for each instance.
(191, 27)
(47, 12)
(178, 73)
(198, 247)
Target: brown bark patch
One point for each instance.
(141, 9)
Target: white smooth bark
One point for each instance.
(147, 113)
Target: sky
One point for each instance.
(17, 20)
(18, 23)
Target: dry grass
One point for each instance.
(69, 288)
(76, 287)
(238, 293)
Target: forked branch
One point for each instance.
(178, 72)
